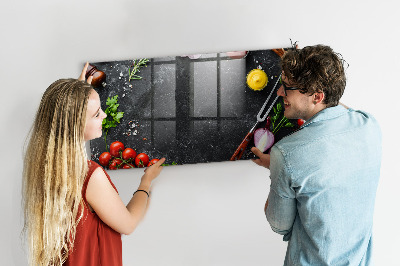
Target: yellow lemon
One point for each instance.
(257, 79)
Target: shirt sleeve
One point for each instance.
(281, 210)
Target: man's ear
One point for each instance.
(318, 97)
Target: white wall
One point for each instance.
(206, 214)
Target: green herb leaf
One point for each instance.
(288, 124)
(111, 101)
(166, 164)
(118, 116)
(136, 68)
(113, 117)
(279, 107)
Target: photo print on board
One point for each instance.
(189, 109)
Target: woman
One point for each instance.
(73, 213)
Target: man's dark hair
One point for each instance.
(316, 69)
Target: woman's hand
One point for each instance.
(83, 74)
(153, 171)
(264, 158)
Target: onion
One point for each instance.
(237, 54)
(263, 139)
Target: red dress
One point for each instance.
(95, 242)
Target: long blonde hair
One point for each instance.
(55, 167)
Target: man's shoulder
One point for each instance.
(294, 142)
(328, 126)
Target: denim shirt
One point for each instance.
(323, 183)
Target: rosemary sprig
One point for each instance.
(136, 65)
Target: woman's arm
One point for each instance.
(108, 205)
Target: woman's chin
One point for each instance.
(93, 137)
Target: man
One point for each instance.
(323, 176)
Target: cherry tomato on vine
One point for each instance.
(128, 166)
(128, 153)
(116, 147)
(142, 160)
(115, 164)
(105, 158)
(300, 122)
(153, 162)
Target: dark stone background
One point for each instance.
(187, 110)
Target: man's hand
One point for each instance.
(266, 206)
(263, 160)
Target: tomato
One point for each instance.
(128, 166)
(105, 158)
(153, 162)
(115, 164)
(300, 122)
(268, 124)
(142, 160)
(116, 147)
(128, 154)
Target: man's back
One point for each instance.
(326, 176)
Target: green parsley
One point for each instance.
(113, 117)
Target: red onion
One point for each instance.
(237, 54)
(263, 139)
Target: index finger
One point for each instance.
(160, 162)
(83, 74)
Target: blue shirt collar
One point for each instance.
(326, 114)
